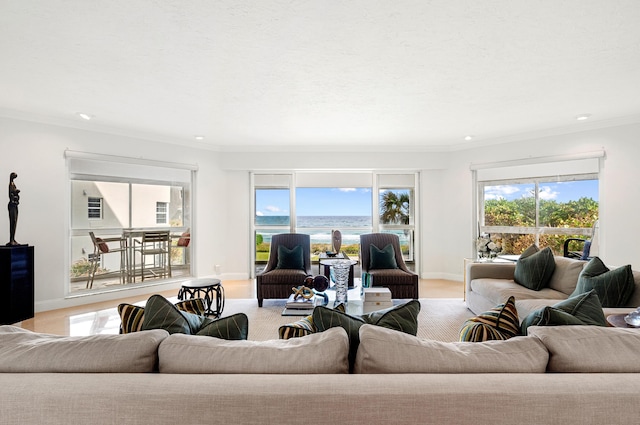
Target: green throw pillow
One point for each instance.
(402, 318)
(132, 316)
(582, 309)
(160, 313)
(384, 258)
(614, 287)
(534, 269)
(290, 258)
(499, 323)
(235, 327)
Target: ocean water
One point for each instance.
(319, 227)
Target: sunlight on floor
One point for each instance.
(102, 318)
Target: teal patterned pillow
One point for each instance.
(534, 270)
(582, 309)
(614, 287)
(384, 258)
(290, 258)
(403, 318)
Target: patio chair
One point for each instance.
(182, 242)
(284, 269)
(156, 245)
(103, 246)
(589, 246)
(388, 268)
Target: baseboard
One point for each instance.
(444, 276)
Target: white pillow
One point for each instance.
(323, 352)
(23, 351)
(384, 350)
(590, 349)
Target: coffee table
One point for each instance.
(354, 305)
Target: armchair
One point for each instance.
(589, 246)
(278, 277)
(402, 282)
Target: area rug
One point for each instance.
(439, 319)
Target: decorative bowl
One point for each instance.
(331, 254)
(633, 318)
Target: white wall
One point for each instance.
(222, 215)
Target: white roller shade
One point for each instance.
(127, 168)
(334, 179)
(539, 167)
(272, 180)
(396, 180)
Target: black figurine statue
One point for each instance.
(14, 200)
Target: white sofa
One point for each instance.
(554, 375)
(490, 284)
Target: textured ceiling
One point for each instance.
(293, 74)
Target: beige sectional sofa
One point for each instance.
(490, 284)
(555, 375)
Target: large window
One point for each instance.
(542, 201)
(396, 216)
(121, 201)
(272, 216)
(396, 209)
(545, 211)
(316, 203)
(320, 210)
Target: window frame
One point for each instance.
(186, 190)
(537, 230)
(91, 208)
(375, 177)
(162, 212)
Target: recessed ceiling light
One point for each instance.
(84, 116)
(199, 137)
(467, 138)
(583, 117)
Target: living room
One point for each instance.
(447, 92)
(38, 142)
(447, 234)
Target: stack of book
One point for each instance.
(376, 298)
(299, 306)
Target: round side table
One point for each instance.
(617, 320)
(207, 289)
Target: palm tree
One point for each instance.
(394, 207)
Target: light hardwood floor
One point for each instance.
(94, 318)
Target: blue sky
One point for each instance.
(316, 201)
(357, 201)
(558, 191)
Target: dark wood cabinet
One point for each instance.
(16, 284)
